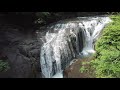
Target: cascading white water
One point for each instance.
(68, 40)
(92, 31)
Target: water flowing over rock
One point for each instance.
(67, 40)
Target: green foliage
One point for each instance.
(83, 69)
(107, 58)
(4, 66)
(107, 63)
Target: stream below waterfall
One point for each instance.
(67, 40)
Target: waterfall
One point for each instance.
(67, 40)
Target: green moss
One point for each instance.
(4, 66)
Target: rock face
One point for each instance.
(21, 51)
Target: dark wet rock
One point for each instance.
(23, 53)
